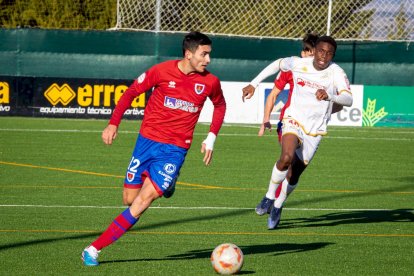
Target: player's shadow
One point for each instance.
(358, 194)
(351, 217)
(221, 215)
(275, 249)
(402, 215)
(138, 228)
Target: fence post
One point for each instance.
(158, 16)
(328, 24)
(118, 15)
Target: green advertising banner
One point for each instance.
(391, 106)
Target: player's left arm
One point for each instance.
(343, 88)
(341, 84)
(219, 104)
(344, 98)
(336, 108)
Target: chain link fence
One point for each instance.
(377, 20)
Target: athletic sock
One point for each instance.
(116, 229)
(276, 178)
(290, 188)
(279, 188)
(271, 191)
(284, 191)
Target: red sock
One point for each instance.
(279, 188)
(116, 229)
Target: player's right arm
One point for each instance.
(109, 134)
(143, 83)
(134, 90)
(271, 69)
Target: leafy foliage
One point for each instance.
(74, 14)
(349, 19)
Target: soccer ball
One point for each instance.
(227, 258)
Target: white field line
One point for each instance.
(221, 134)
(183, 208)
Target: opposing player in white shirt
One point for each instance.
(318, 84)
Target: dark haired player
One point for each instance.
(180, 89)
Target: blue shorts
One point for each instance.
(158, 161)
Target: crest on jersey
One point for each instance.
(301, 82)
(199, 88)
(130, 176)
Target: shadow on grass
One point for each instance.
(399, 215)
(138, 228)
(220, 215)
(273, 249)
(356, 194)
(352, 217)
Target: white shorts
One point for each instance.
(307, 144)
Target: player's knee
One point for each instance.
(129, 197)
(285, 160)
(127, 201)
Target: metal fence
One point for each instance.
(377, 20)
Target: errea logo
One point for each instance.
(4, 97)
(171, 84)
(96, 95)
(60, 94)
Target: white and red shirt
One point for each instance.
(175, 104)
(312, 115)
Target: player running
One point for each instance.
(283, 78)
(180, 89)
(318, 84)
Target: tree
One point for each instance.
(74, 14)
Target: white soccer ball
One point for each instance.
(227, 258)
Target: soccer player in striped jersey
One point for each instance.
(180, 88)
(318, 84)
